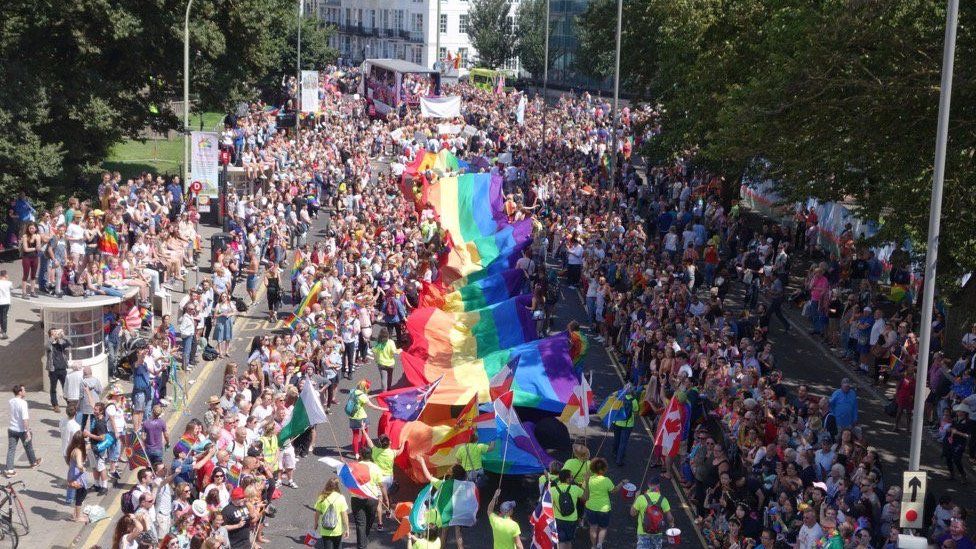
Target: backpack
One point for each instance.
(627, 408)
(653, 515)
(330, 519)
(566, 504)
(129, 502)
(352, 403)
(240, 305)
(209, 354)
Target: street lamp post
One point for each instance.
(616, 99)
(935, 215)
(298, 71)
(545, 80)
(186, 95)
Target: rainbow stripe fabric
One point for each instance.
(442, 338)
(109, 243)
(468, 206)
(544, 380)
(476, 295)
(487, 255)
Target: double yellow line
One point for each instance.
(685, 506)
(115, 508)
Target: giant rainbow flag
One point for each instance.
(473, 321)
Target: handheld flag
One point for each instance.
(613, 409)
(667, 441)
(577, 411)
(543, 521)
(501, 382)
(408, 405)
(455, 503)
(356, 477)
(306, 413)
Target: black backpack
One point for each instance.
(129, 502)
(565, 501)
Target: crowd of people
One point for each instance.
(658, 259)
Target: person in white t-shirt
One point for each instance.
(19, 430)
(810, 531)
(5, 287)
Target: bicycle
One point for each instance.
(12, 509)
(8, 536)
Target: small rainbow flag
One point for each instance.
(135, 453)
(311, 299)
(297, 267)
(234, 474)
(579, 344)
(184, 445)
(109, 244)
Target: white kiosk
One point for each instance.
(82, 322)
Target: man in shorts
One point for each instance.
(115, 423)
(651, 496)
(564, 493)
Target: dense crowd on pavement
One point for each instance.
(657, 258)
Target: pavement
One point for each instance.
(43, 490)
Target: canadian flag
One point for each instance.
(667, 441)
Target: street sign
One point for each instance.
(913, 485)
(912, 542)
(196, 187)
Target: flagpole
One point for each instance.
(501, 472)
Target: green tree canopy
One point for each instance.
(531, 46)
(840, 97)
(490, 31)
(80, 76)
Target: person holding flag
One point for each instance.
(505, 531)
(652, 509)
(566, 497)
(623, 423)
(469, 456)
(383, 456)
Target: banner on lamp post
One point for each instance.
(310, 91)
(204, 164)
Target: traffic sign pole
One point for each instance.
(913, 486)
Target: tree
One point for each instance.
(80, 76)
(491, 32)
(839, 97)
(531, 46)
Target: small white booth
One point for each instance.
(83, 325)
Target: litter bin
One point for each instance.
(218, 243)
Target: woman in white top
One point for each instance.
(127, 531)
(219, 484)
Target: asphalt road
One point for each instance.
(295, 507)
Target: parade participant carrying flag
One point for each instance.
(408, 405)
(543, 521)
(306, 413)
(577, 411)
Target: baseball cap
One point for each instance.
(237, 493)
(507, 506)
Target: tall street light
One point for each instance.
(616, 99)
(935, 215)
(545, 80)
(298, 71)
(186, 95)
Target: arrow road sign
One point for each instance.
(912, 499)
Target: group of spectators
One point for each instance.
(658, 258)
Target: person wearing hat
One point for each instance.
(237, 520)
(955, 441)
(505, 531)
(653, 511)
(213, 414)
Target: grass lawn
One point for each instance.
(158, 156)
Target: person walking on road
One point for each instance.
(5, 290)
(504, 530)
(57, 363)
(653, 512)
(597, 494)
(565, 502)
(622, 427)
(331, 516)
(843, 404)
(19, 431)
(364, 509)
(384, 352)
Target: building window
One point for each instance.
(511, 23)
(463, 54)
(418, 22)
(398, 20)
(442, 26)
(348, 20)
(442, 54)
(463, 24)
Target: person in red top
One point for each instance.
(905, 397)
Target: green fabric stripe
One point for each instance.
(472, 297)
(486, 333)
(296, 425)
(465, 197)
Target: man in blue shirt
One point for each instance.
(843, 404)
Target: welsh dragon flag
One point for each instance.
(307, 413)
(455, 503)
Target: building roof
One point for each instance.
(399, 65)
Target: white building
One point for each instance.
(398, 29)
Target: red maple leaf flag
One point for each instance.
(667, 441)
